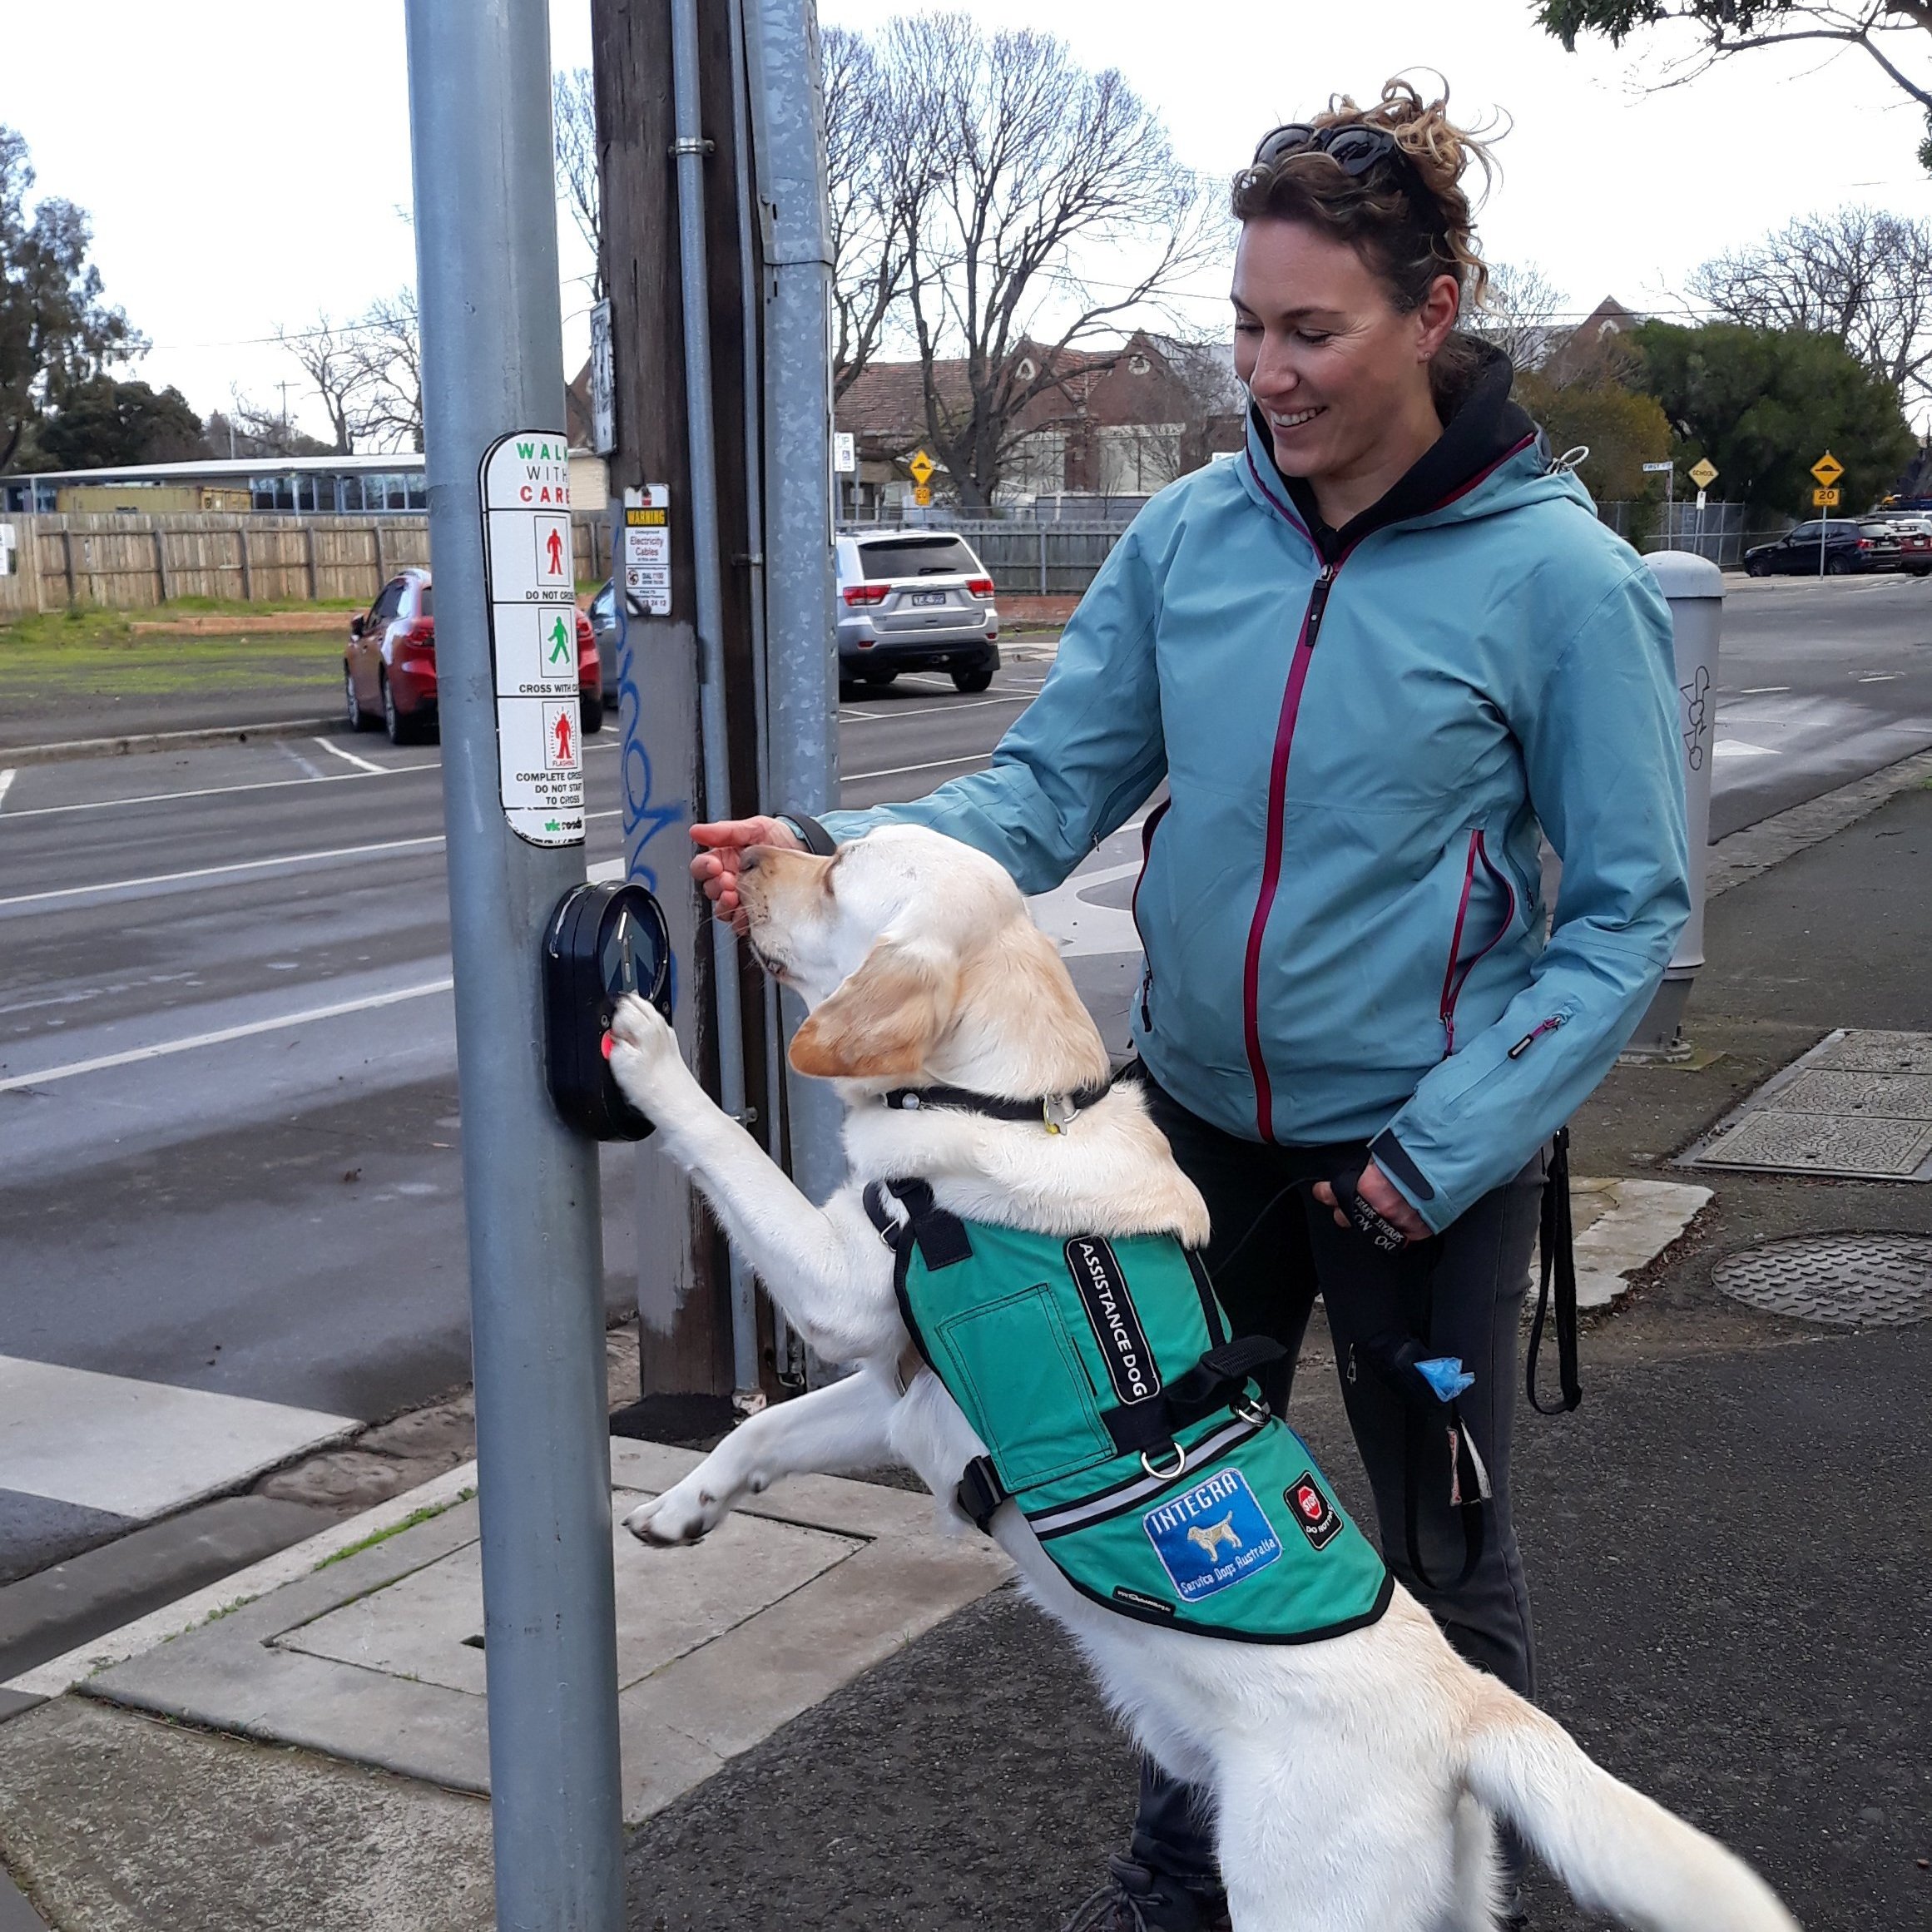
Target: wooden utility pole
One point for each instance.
(683, 1286)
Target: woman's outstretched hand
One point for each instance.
(1380, 1193)
(721, 848)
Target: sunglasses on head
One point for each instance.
(1352, 147)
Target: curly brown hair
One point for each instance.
(1410, 223)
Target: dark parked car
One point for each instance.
(604, 623)
(917, 600)
(1849, 548)
(389, 665)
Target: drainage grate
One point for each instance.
(1846, 1281)
(1859, 1104)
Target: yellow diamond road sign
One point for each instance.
(1828, 469)
(1704, 473)
(922, 467)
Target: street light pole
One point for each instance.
(486, 251)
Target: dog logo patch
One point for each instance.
(1318, 1517)
(1102, 1282)
(1211, 1536)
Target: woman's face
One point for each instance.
(1340, 374)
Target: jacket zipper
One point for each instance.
(1456, 976)
(1271, 858)
(1153, 819)
(1278, 774)
(1535, 1034)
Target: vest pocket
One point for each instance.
(1029, 1390)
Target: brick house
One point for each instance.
(1118, 422)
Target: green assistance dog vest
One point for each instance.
(1121, 1421)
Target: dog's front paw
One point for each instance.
(682, 1514)
(645, 1059)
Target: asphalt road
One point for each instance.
(257, 1196)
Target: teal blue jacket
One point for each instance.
(1340, 905)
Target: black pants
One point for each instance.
(1273, 1249)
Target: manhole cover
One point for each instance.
(1849, 1280)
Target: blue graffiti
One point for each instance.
(644, 816)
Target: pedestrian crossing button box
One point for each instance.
(603, 941)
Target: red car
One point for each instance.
(388, 667)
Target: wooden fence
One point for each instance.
(133, 562)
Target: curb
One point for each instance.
(133, 741)
(1757, 849)
(62, 1673)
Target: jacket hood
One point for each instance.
(1490, 458)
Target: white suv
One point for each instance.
(916, 600)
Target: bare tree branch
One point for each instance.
(1860, 275)
(1519, 316)
(574, 131)
(331, 356)
(1012, 168)
(392, 351)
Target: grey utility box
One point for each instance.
(1694, 588)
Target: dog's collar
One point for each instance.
(1055, 1111)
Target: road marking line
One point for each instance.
(938, 711)
(7, 779)
(136, 1448)
(1736, 748)
(217, 871)
(891, 771)
(162, 1049)
(99, 805)
(1763, 690)
(1880, 677)
(360, 764)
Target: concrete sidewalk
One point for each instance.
(835, 1718)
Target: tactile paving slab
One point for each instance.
(1858, 1105)
(1845, 1280)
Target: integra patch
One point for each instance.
(1211, 1536)
(1102, 1282)
(1318, 1517)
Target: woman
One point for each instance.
(1369, 658)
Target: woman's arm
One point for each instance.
(1606, 777)
(1075, 765)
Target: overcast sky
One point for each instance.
(248, 164)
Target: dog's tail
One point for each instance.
(1617, 1852)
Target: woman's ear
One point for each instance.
(883, 1021)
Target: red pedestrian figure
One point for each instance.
(562, 730)
(554, 546)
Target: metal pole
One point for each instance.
(694, 278)
(782, 38)
(486, 251)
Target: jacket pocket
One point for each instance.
(1029, 1394)
(1470, 944)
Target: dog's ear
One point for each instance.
(884, 1020)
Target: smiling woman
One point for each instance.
(1373, 660)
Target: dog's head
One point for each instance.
(919, 962)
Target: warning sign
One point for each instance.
(530, 580)
(647, 548)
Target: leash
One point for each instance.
(1557, 1242)
(1428, 1383)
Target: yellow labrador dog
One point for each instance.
(920, 966)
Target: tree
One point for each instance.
(100, 423)
(392, 352)
(1519, 314)
(55, 329)
(1010, 170)
(574, 133)
(332, 357)
(867, 214)
(1883, 29)
(1860, 275)
(1765, 403)
(1622, 429)
(245, 429)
